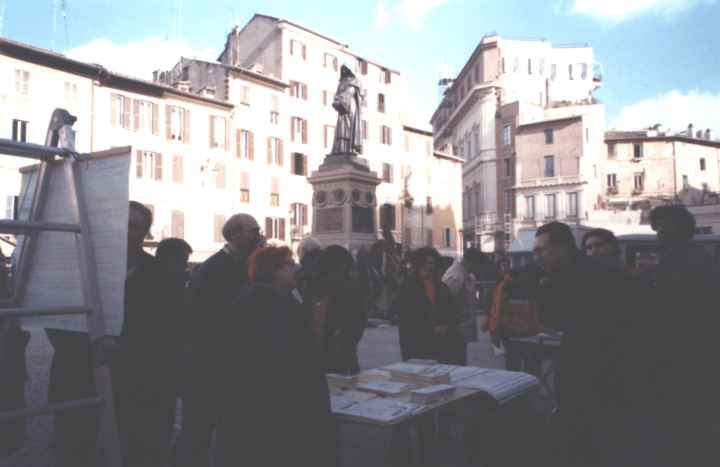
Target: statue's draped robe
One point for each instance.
(348, 130)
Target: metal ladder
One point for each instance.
(60, 143)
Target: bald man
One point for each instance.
(212, 287)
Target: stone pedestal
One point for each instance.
(344, 202)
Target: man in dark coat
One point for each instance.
(276, 409)
(213, 285)
(583, 296)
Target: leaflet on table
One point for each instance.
(419, 372)
(338, 403)
(432, 393)
(380, 410)
(500, 384)
(384, 387)
(460, 373)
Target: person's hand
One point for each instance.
(440, 331)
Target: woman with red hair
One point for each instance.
(274, 387)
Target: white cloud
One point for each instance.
(621, 10)
(137, 59)
(674, 110)
(382, 16)
(411, 13)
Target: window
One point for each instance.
(476, 140)
(541, 67)
(387, 216)
(508, 167)
(550, 206)
(381, 103)
(702, 163)
(177, 169)
(119, 111)
(587, 135)
(245, 95)
(71, 92)
(638, 181)
(385, 76)
(245, 148)
(148, 165)
(329, 135)
(298, 90)
(516, 65)
(19, 131)
(274, 109)
(502, 65)
(218, 132)
(22, 82)
(549, 166)
(298, 49)
(146, 117)
(612, 180)
(637, 151)
(685, 182)
(583, 71)
(298, 130)
(549, 136)
(177, 123)
(530, 67)
(572, 205)
(274, 192)
(364, 129)
(447, 237)
(299, 214)
(177, 224)
(428, 205)
(570, 72)
(11, 207)
(387, 176)
(477, 73)
(274, 117)
(478, 201)
(275, 228)
(328, 98)
(217, 233)
(386, 135)
(509, 201)
(553, 71)
(275, 151)
(220, 175)
(300, 164)
(330, 61)
(530, 207)
(506, 135)
(612, 150)
(244, 187)
(362, 66)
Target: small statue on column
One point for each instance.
(347, 102)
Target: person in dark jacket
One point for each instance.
(339, 310)
(213, 285)
(273, 393)
(428, 313)
(584, 298)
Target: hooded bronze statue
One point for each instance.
(347, 102)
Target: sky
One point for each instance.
(660, 58)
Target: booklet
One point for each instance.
(432, 393)
(384, 387)
(380, 410)
(501, 385)
(435, 374)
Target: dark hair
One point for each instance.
(144, 210)
(474, 256)
(676, 213)
(333, 257)
(169, 247)
(603, 234)
(266, 261)
(559, 234)
(418, 257)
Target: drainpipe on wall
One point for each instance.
(675, 195)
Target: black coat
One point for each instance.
(418, 316)
(274, 396)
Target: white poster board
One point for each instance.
(54, 277)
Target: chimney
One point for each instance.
(708, 134)
(690, 130)
(699, 134)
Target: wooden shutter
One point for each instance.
(268, 227)
(304, 51)
(292, 128)
(251, 144)
(126, 112)
(293, 85)
(158, 166)
(305, 164)
(238, 143)
(280, 152)
(186, 126)
(269, 150)
(292, 46)
(213, 143)
(155, 119)
(324, 97)
(304, 131)
(389, 131)
(136, 114)
(281, 229)
(304, 91)
(113, 110)
(139, 164)
(168, 122)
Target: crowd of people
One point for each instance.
(246, 338)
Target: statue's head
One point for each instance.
(346, 72)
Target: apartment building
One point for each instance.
(474, 122)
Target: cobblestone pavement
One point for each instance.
(361, 446)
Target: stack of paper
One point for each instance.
(432, 393)
(459, 373)
(338, 403)
(501, 385)
(342, 381)
(380, 410)
(383, 387)
(413, 372)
